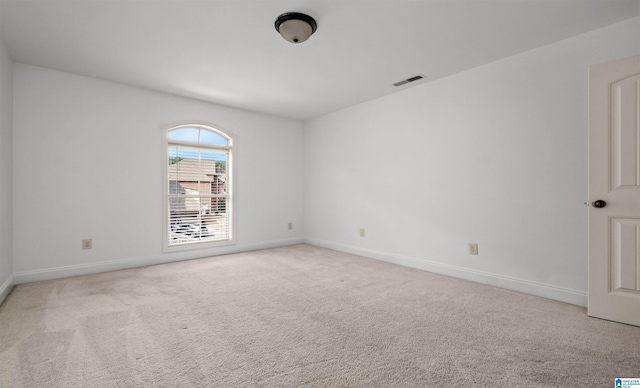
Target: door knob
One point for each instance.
(599, 203)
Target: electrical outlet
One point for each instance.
(473, 248)
(290, 225)
(87, 243)
(362, 232)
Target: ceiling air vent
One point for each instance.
(408, 80)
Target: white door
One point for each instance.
(614, 177)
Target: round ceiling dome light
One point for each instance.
(296, 27)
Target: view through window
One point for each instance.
(198, 186)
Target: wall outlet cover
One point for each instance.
(473, 248)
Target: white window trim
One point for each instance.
(231, 172)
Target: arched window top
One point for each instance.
(200, 134)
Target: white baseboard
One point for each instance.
(533, 288)
(115, 265)
(525, 286)
(5, 288)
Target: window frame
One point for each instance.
(230, 149)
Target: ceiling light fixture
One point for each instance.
(295, 27)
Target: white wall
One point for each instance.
(496, 155)
(87, 162)
(6, 172)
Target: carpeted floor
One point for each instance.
(300, 316)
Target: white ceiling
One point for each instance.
(228, 52)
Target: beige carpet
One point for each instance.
(300, 316)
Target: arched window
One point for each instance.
(198, 187)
